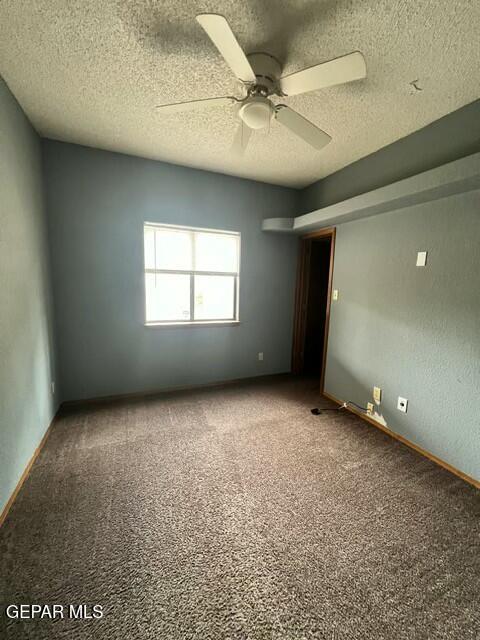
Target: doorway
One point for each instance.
(312, 305)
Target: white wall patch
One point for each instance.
(421, 258)
(378, 417)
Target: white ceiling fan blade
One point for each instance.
(241, 138)
(219, 32)
(302, 127)
(197, 104)
(338, 71)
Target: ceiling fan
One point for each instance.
(260, 77)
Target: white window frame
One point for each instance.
(192, 273)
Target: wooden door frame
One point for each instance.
(301, 295)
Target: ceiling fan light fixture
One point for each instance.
(256, 112)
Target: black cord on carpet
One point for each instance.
(319, 410)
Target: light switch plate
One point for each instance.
(402, 404)
(335, 294)
(421, 258)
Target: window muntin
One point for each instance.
(191, 275)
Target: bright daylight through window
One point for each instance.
(191, 275)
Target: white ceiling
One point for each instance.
(92, 71)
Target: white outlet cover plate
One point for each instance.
(335, 294)
(402, 404)
(421, 258)
(377, 395)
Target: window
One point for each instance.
(191, 275)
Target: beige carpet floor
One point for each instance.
(234, 513)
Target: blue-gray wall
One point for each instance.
(26, 344)
(97, 204)
(415, 332)
(452, 137)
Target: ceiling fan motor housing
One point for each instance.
(267, 70)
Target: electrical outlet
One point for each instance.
(260, 355)
(402, 404)
(377, 395)
(52, 386)
(370, 408)
(335, 294)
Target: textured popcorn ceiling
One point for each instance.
(92, 71)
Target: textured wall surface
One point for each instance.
(26, 346)
(452, 137)
(415, 332)
(97, 204)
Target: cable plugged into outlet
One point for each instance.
(349, 403)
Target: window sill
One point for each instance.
(175, 325)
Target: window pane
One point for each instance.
(149, 240)
(216, 252)
(174, 249)
(167, 297)
(214, 297)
